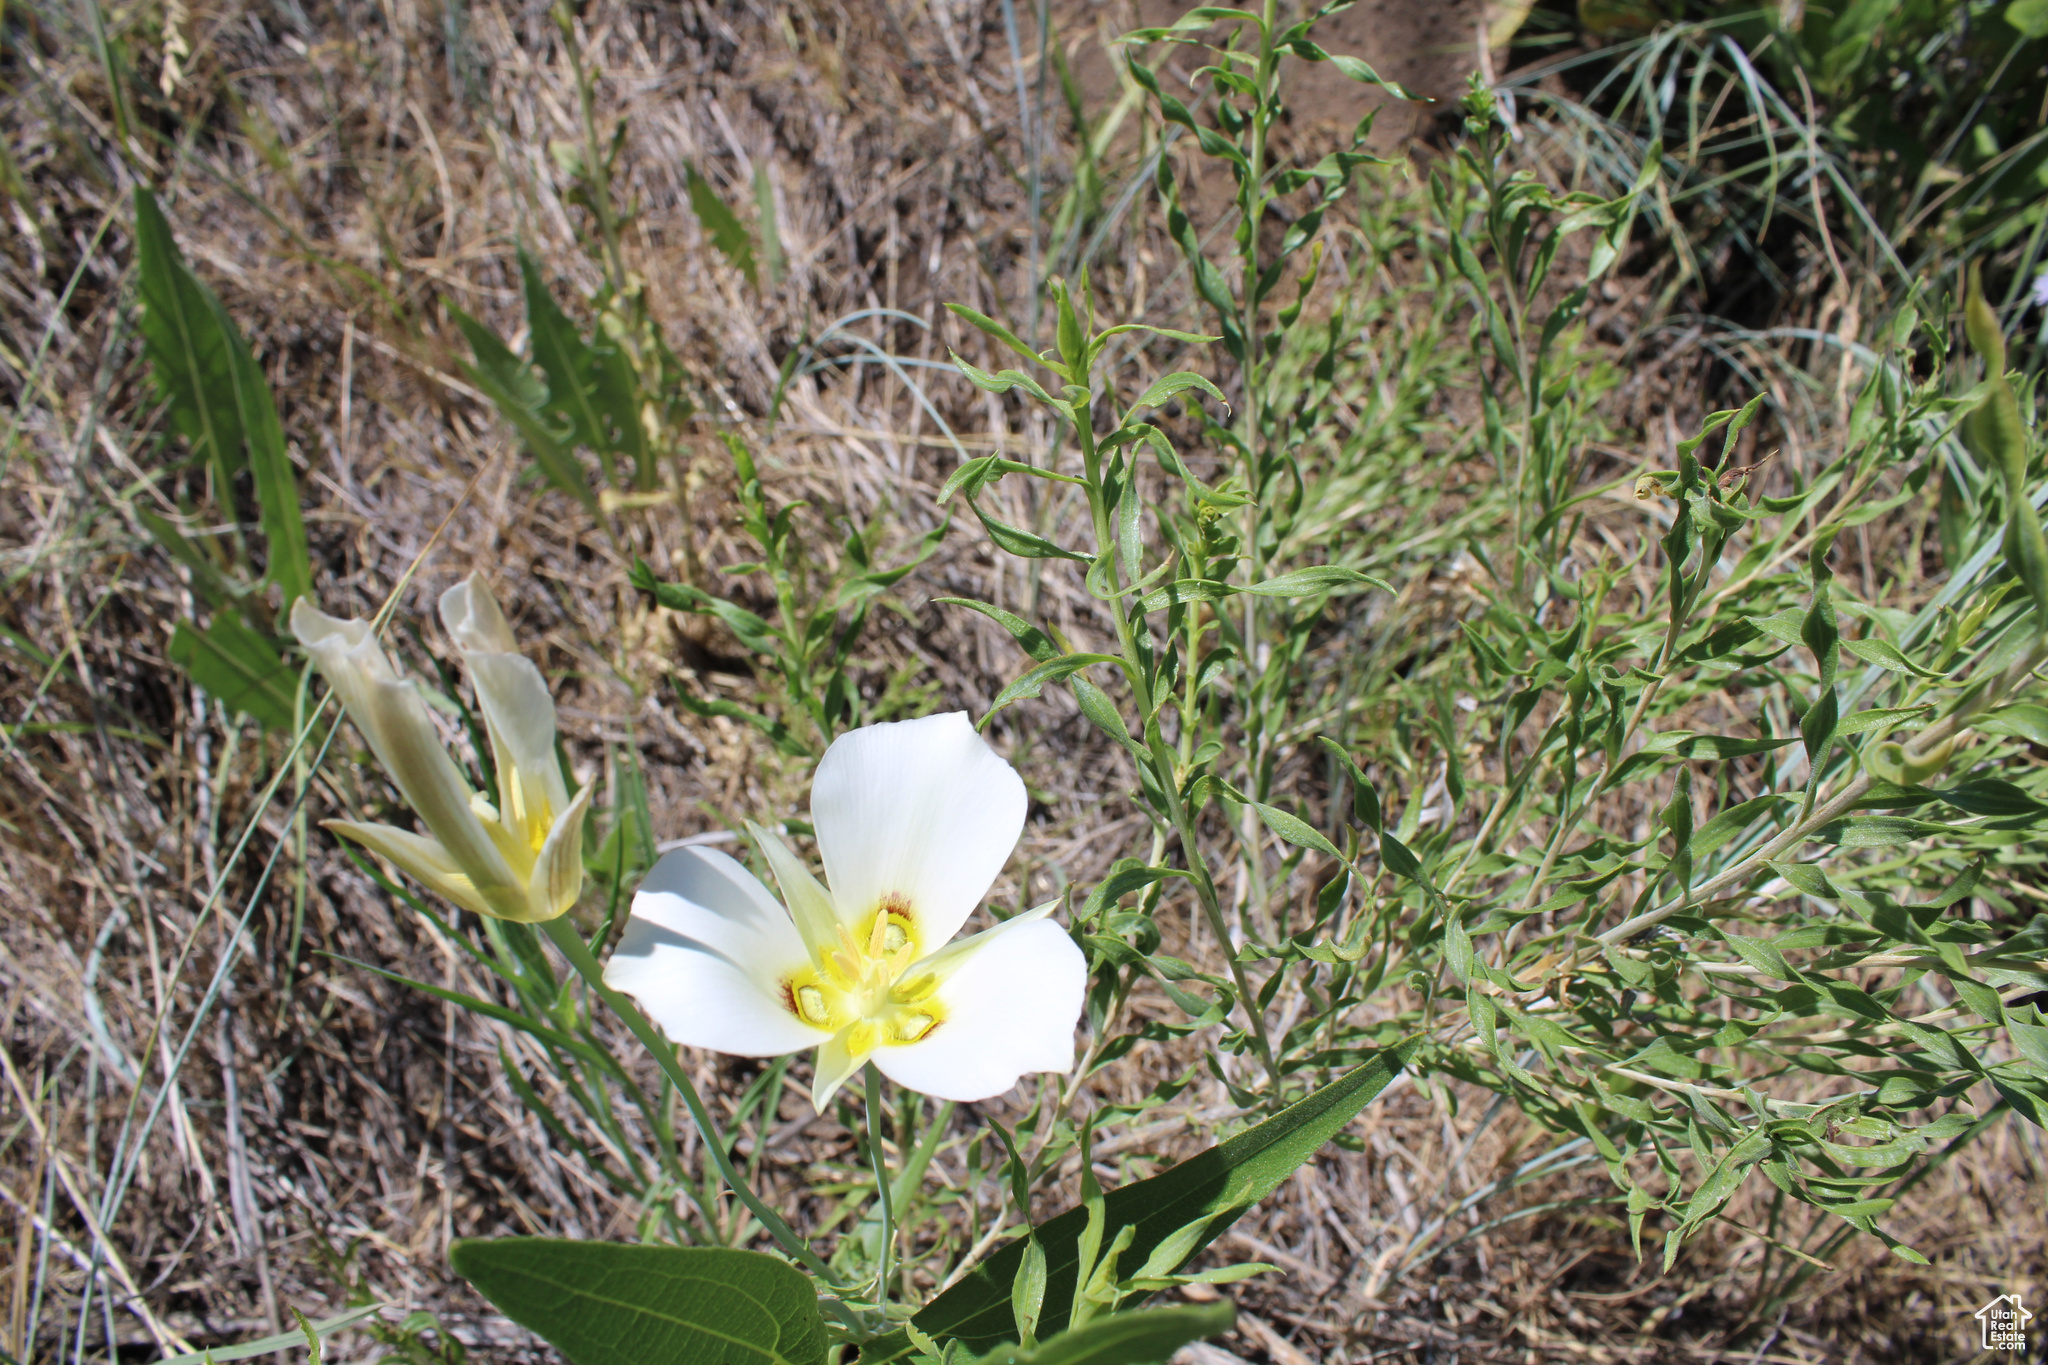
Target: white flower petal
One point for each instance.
(921, 814)
(1011, 1003)
(472, 617)
(705, 953)
(810, 905)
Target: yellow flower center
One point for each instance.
(862, 994)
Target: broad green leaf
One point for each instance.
(188, 354)
(590, 387)
(211, 584)
(723, 226)
(2029, 17)
(219, 401)
(1192, 1203)
(238, 668)
(1145, 1336)
(604, 1303)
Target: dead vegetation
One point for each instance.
(213, 1115)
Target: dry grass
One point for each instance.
(168, 962)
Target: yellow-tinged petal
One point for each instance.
(835, 1063)
(810, 905)
(473, 618)
(558, 871)
(518, 710)
(418, 857)
(394, 720)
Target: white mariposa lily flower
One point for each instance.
(914, 820)
(521, 859)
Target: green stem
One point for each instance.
(882, 1191)
(1928, 741)
(571, 945)
(1162, 757)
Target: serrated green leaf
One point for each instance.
(238, 668)
(723, 226)
(521, 398)
(219, 400)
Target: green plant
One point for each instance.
(1600, 841)
(220, 403)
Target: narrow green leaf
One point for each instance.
(2026, 721)
(1180, 381)
(1034, 641)
(1886, 655)
(1022, 543)
(722, 225)
(1206, 1193)
(1052, 670)
(1322, 578)
(1142, 1336)
(294, 1340)
(1003, 334)
(1295, 830)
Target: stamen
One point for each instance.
(810, 1003)
(916, 990)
